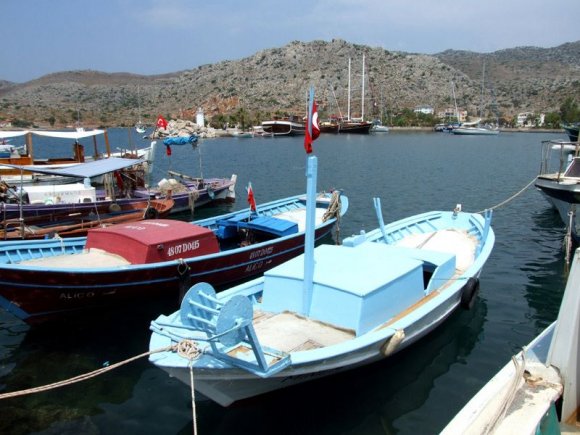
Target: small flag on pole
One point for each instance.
(251, 199)
(312, 129)
(161, 122)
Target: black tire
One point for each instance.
(469, 293)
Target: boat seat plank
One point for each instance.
(300, 333)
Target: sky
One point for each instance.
(40, 37)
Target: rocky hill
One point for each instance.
(277, 80)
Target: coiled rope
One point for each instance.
(333, 210)
(510, 198)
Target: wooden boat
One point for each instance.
(291, 126)
(77, 224)
(127, 187)
(332, 309)
(355, 127)
(537, 392)
(329, 126)
(24, 155)
(153, 258)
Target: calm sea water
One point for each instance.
(417, 391)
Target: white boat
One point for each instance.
(477, 128)
(537, 392)
(378, 127)
(332, 309)
(559, 181)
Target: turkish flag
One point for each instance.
(251, 199)
(315, 130)
(161, 122)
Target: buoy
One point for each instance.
(392, 343)
(469, 293)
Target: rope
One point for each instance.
(82, 377)
(510, 198)
(501, 412)
(333, 210)
(188, 349)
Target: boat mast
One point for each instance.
(482, 86)
(348, 110)
(455, 101)
(362, 110)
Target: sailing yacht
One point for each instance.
(139, 126)
(476, 128)
(350, 125)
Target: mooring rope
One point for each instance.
(510, 198)
(84, 376)
(188, 349)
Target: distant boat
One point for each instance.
(139, 126)
(537, 392)
(477, 128)
(329, 126)
(127, 263)
(378, 127)
(346, 307)
(356, 126)
(291, 126)
(572, 131)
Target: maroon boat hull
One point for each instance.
(37, 295)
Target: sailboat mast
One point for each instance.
(482, 86)
(362, 110)
(348, 110)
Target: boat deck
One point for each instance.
(300, 333)
(92, 258)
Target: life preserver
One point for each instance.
(469, 293)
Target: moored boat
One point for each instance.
(291, 126)
(339, 307)
(127, 184)
(78, 223)
(123, 263)
(536, 392)
(572, 131)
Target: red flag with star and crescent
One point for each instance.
(251, 199)
(161, 122)
(312, 122)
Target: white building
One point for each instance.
(427, 110)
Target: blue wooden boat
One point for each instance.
(537, 391)
(41, 279)
(332, 309)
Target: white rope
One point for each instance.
(188, 349)
(510, 198)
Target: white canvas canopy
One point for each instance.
(77, 134)
(83, 170)
(9, 134)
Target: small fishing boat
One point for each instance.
(41, 279)
(78, 223)
(332, 309)
(537, 392)
(126, 184)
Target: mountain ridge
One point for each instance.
(276, 80)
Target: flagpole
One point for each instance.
(311, 173)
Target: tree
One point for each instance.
(569, 111)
